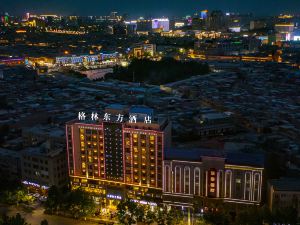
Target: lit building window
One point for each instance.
(177, 179)
(247, 188)
(187, 180)
(167, 179)
(228, 177)
(256, 191)
(197, 181)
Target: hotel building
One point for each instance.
(119, 155)
(198, 175)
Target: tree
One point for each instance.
(53, 200)
(127, 212)
(14, 220)
(201, 221)
(16, 196)
(44, 222)
(19, 196)
(164, 216)
(150, 216)
(174, 216)
(219, 217)
(284, 215)
(80, 204)
(250, 216)
(159, 72)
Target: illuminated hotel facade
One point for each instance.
(120, 155)
(128, 154)
(205, 175)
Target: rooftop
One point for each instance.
(236, 158)
(286, 184)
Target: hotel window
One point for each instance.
(247, 189)
(82, 144)
(197, 181)
(177, 179)
(256, 186)
(228, 176)
(167, 179)
(187, 180)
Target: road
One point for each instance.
(36, 216)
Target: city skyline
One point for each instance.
(147, 7)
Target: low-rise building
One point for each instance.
(10, 164)
(199, 175)
(284, 193)
(44, 168)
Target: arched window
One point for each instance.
(197, 181)
(228, 178)
(247, 190)
(177, 179)
(256, 187)
(187, 180)
(167, 179)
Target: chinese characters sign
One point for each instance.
(107, 117)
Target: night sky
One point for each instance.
(147, 7)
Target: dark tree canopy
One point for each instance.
(159, 72)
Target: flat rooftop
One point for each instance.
(286, 184)
(195, 155)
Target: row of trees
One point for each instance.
(159, 72)
(76, 203)
(79, 204)
(130, 212)
(17, 220)
(13, 192)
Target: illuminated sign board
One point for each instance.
(117, 197)
(296, 38)
(34, 184)
(162, 23)
(212, 181)
(119, 118)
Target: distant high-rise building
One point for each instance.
(199, 23)
(27, 16)
(257, 24)
(144, 25)
(284, 28)
(204, 14)
(120, 155)
(119, 29)
(143, 50)
(131, 27)
(113, 15)
(161, 24)
(217, 21)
